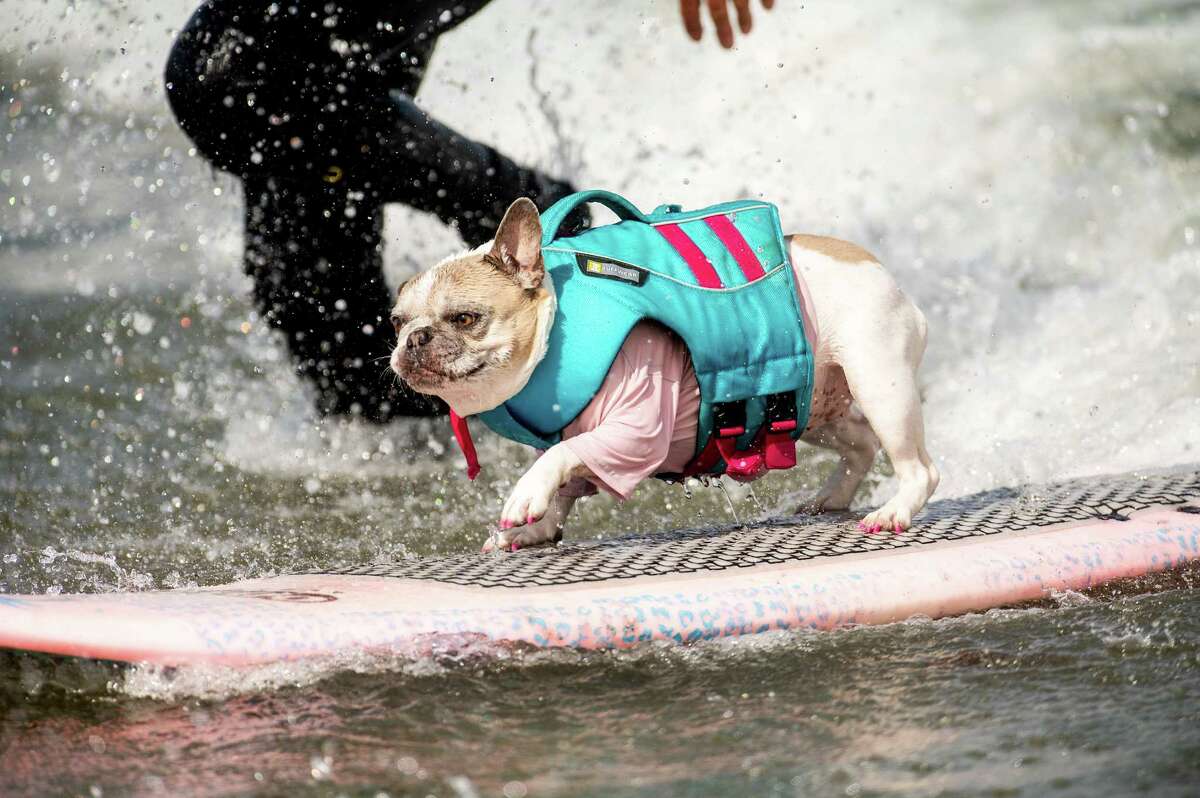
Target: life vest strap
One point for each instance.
(781, 423)
(773, 447)
(462, 434)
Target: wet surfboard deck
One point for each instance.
(974, 553)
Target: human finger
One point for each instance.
(743, 15)
(690, 10)
(720, 16)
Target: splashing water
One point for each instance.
(1029, 175)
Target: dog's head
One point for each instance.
(468, 328)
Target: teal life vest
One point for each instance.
(720, 279)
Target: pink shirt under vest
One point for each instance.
(643, 420)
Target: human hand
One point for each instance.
(719, 9)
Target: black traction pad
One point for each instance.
(795, 538)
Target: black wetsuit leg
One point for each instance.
(318, 277)
(314, 111)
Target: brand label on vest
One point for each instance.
(594, 266)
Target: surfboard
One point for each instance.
(992, 549)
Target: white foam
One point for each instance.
(1012, 169)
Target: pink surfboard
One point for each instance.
(963, 555)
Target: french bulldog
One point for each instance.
(471, 330)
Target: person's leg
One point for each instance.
(407, 156)
(259, 97)
(318, 278)
(303, 135)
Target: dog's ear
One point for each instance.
(518, 245)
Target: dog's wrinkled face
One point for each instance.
(467, 327)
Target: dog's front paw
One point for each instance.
(544, 530)
(534, 492)
(530, 499)
(534, 512)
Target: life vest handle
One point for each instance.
(554, 216)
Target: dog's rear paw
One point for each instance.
(887, 518)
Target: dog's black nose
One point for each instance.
(418, 338)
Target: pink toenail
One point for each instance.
(863, 526)
(897, 527)
(506, 524)
(515, 547)
(530, 519)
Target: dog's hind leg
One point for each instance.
(881, 370)
(852, 438)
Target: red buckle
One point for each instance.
(743, 466)
(772, 448)
(781, 423)
(780, 450)
(703, 462)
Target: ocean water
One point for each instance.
(1032, 178)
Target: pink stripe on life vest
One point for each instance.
(735, 242)
(705, 274)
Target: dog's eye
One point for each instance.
(464, 319)
(397, 323)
